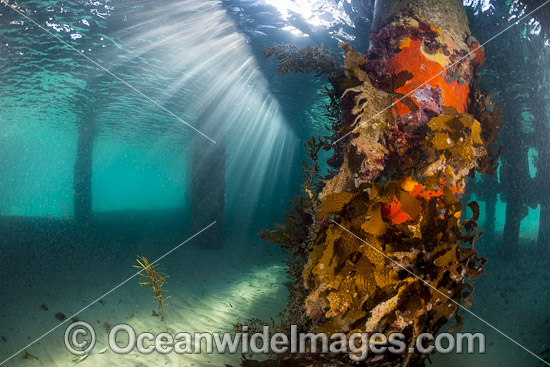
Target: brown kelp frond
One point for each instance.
(156, 280)
(396, 184)
(489, 115)
(353, 286)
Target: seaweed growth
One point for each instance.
(299, 230)
(378, 245)
(399, 258)
(156, 280)
(308, 59)
(296, 235)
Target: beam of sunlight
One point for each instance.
(199, 50)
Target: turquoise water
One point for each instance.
(185, 112)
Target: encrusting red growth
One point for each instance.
(398, 187)
(393, 206)
(393, 211)
(479, 54)
(425, 72)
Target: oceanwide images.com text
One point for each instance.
(80, 339)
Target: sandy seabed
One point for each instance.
(212, 290)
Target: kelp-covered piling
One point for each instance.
(387, 250)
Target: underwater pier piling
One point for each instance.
(83, 171)
(208, 189)
(543, 237)
(386, 240)
(542, 164)
(515, 179)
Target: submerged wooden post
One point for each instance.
(486, 190)
(208, 186)
(542, 136)
(82, 183)
(415, 125)
(543, 237)
(515, 180)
